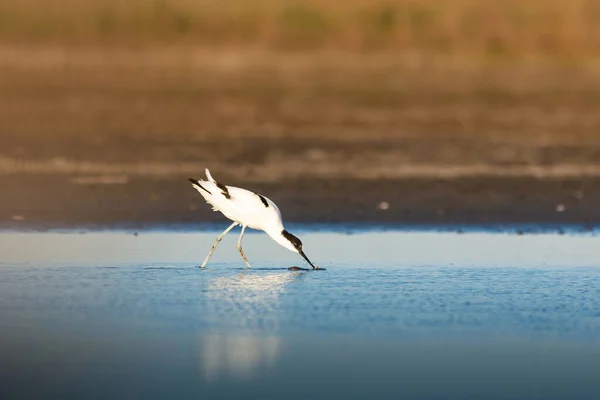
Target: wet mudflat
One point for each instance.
(147, 202)
(410, 314)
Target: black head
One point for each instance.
(297, 243)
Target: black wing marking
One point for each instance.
(224, 190)
(262, 198)
(196, 183)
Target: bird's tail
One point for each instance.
(209, 176)
(198, 185)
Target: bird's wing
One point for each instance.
(249, 201)
(237, 198)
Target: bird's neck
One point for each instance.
(277, 236)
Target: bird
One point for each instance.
(249, 210)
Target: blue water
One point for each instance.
(416, 315)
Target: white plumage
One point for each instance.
(248, 209)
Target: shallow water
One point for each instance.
(415, 315)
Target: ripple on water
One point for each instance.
(527, 314)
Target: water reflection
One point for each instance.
(249, 286)
(237, 356)
(251, 301)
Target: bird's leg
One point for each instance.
(239, 246)
(212, 250)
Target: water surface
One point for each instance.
(417, 315)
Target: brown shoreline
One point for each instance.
(108, 137)
(46, 202)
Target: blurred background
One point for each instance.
(382, 111)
